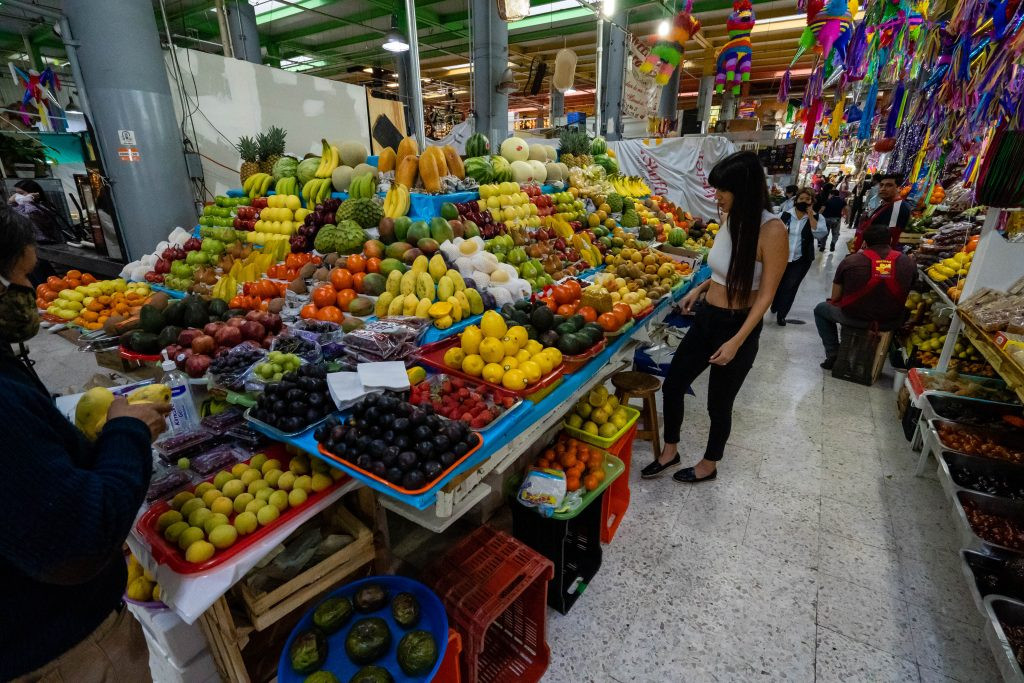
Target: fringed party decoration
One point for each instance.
(667, 54)
(784, 87)
(837, 117)
(894, 110)
(864, 132)
(39, 93)
(813, 115)
(734, 59)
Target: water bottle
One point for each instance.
(183, 417)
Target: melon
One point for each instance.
(477, 145)
(352, 153)
(553, 172)
(501, 170)
(341, 177)
(538, 153)
(598, 145)
(522, 172)
(552, 152)
(515, 149)
(360, 169)
(540, 173)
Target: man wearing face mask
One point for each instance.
(30, 201)
(68, 506)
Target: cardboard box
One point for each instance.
(680, 255)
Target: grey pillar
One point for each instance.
(557, 108)
(669, 98)
(728, 106)
(404, 73)
(245, 40)
(128, 91)
(611, 76)
(704, 98)
(490, 57)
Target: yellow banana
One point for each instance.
(328, 160)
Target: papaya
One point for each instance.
(454, 162)
(431, 171)
(407, 170)
(407, 147)
(386, 160)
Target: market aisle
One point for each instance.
(815, 555)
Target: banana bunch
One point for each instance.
(329, 160)
(630, 186)
(257, 185)
(397, 201)
(316, 190)
(286, 186)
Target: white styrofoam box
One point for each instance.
(200, 670)
(180, 642)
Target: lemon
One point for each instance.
(286, 481)
(233, 488)
(522, 355)
(555, 355)
(510, 345)
(618, 419)
(299, 465)
(321, 482)
(272, 464)
(267, 514)
(543, 361)
(597, 396)
(492, 373)
(249, 476)
(222, 505)
(173, 532)
(279, 499)
(509, 363)
(531, 370)
(454, 357)
(600, 416)
(191, 506)
(304, 482)
(519, 334)
(203, 488)
(181, 499)
(263, 495)
(533, 346)
(492, 350)
(493, 326)
(213, 521)
(612, 402)
(473, 365)
(245, 523)
(222, 478)
(258, 484)
(167, 519)
(514, 379)
(272, 477)
(297, 497)
(258, 460)
(607, 429)
(210, 496)
(574, 421)
(198, 517)
(241, 500)
(470, 340)
(200, 551)
(140, 589)
(156, 592)
(583, 409)
(254, 505)
(223, 536)
(190, 536)
(590, 428)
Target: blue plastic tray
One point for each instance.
(173, 293)
(432, 619)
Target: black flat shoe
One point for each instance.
(780, 321)
(656, 468)
(828, 363)
(688, 475)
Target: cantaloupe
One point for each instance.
(407, 170)
(406, 148)
(352, 152)
(552, 152)
(360, 169)
(387, 160)
(540, 174)
(341, 177)
(552, 172)
(538, 153)
(515, 149)
(522, 172)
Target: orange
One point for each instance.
(355, 263)
(330, 314)
(345, 297)
(591, 482)
(568, 460)
(572, 483)
(324, 295)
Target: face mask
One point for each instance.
(801, 206)
(22, 199)
(19, 317)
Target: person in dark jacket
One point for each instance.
(30, 201)
(802, 222)
(68, 507)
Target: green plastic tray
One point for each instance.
(600, 441)
(613, 467)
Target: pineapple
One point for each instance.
(575, 148)
(249, 150)
(271, 148)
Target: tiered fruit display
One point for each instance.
(570, 330)
(83, 300)
(305, 236)
(238, 501)
(294, 265)
(142, 585)
(282, 216)
(951, 273)
(421, 447)
(437, 170)
(299, 399)
(429, 289)
(598, 413)
(483, 271)
(629, 186)
(517, 162)
(574, 148)
(492, 352)
(646, 269)
(458, 399)
(338, 291)
(582, 463)
(218, 215)
(695, 238)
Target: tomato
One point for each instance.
(41, 289)
(324, 295)
(73, 275)
(308, 312)
(55, 283)
(549, 302)
(294, 261)
(608, 322)
(623, 313)
(373, 265)
(341, 278)
(237, 301)
(357, 281)
(331, 314)
(588, 313)
(566, 310)
(563, 294)
(345, 297)
(574, 285)
(88, 278)
(355, 263)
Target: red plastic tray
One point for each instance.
(345, 464)
(171, 555)
(433, 355)
(644, 313)
(574, 363)
(127, 354)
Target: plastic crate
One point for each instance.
(495, 590)
(449, 671)
(616, 497)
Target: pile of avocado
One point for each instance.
(367, 640)
(571, 335)
(158, 328)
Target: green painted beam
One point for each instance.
(287, 11)
(313, 29)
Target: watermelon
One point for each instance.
(479, 168)
(285, 167)
(607, 163)
(478, 145)
(307, 169)
(598, 146)
(677, 237)
(501, 169)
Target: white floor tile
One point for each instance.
(843, 659)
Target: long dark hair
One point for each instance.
(32, 187)
(15, 237)
(741, 174)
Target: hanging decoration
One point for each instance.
(39, 94)
(667, 55)
(734, 59)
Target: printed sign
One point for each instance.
(129, 154)
(126, 137)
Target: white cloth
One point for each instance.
(720, 255)
(796, 227)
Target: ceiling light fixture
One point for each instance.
(663, 28)
(395, 41)
(608, 8)
(507, 82)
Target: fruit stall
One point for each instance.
(409, 334)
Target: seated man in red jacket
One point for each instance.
(870, 288)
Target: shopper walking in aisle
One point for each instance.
(747, 262)
(869, 289)
(893, 212)
(834, 210)
(787, 204)
(69, 506)
(802, 223)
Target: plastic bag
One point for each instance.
(542, 489)
(229, 368)
(306, 349)
(389, 339)
(218, 458)
(327, 334)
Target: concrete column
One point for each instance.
(128, 93)
(557, 108)
(612, 69)
(490, 57)
(245, 40)
(706, 89)
(401, 61)
(670, 97)
(728, 106)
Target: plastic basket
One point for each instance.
(449, 670)
(601, 441)
(616, 497)
(433, 355)
(495, 590)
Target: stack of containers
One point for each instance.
(178, 652)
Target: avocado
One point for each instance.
(524, 305)
(417, 653)
(565, 329)
(168, 336)
(406, 610)
(520, 317)
(151, 319)
(368, 640)
(570, 344)
(370, 597)
(174, 314)
(531, 331)
(372, 674)
(548, 338)
(218, 307)
(332, 614)
(195, 314)
(557, 320)
(542, 318)
(577, 321)
(143, 342)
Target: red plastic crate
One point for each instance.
(495, 591)
(616, 497)
(449, 671)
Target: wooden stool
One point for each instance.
(640, 385)
(861, 354)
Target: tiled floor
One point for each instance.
(815, 556)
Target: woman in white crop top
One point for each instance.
(747, 261)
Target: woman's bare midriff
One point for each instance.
(717, 296)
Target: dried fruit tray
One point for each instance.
(165, 552)
(349, 466)
(603, 442)
(433, 355)
(574, 363)
(435, 380)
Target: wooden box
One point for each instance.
(266, 608)
(861, 355)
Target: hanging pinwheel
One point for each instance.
(734, 59)
(667, 54)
